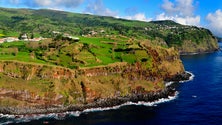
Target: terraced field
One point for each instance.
(88, 52)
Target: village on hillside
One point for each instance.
(25, 37)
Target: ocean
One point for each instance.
(198, 102)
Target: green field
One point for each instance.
(17, 51)
(88, 52)
(21, 56)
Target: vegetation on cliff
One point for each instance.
(55, 73)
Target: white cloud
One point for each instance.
(215, 22)
(47, 3)
(182, 11)
(133, 14)
(138, 16)
(97, 7)
(187, 20)
(168, 7)
(185, 7)
(44, 3)
(58, 3)
(180, 7)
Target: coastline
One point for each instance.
(134, 98)
(101, 103)
(63, 115)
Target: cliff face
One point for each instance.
(187, 39)
(31, 85)
(209, 44)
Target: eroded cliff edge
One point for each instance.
(28, 88)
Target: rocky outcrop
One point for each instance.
(31, 88)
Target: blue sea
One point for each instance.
(198, 102)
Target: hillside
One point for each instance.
(109, 61)
(188, 39)
(42, 88)
(56, 75)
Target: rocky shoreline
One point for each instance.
(101, 103)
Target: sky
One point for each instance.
(201, 13)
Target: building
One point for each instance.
(24, 37)
(8, 39)
(11, 39)
(76, 39)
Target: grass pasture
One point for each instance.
(88, 52)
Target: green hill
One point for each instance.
(43, 22)
(109, 62)
(58, 75)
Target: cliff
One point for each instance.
(39, 88)
(187, 39)
(206, 44)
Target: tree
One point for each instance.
(58, 37)
(32, 36)
(20, 36)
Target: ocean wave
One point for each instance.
(190, 79)
(154, 103)
(169, 83)
(8, 119)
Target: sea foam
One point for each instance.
(190, 79)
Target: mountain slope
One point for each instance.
(188, 39)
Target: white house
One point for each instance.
(24, 37)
